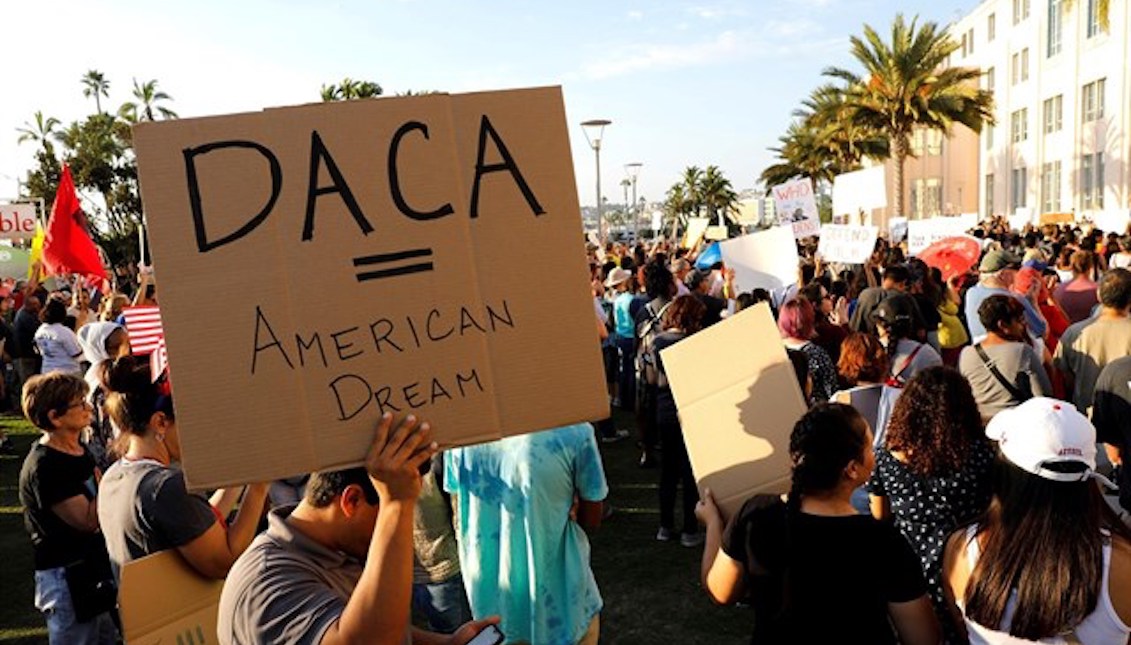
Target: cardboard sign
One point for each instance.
(738, 400)
(17, 221)
(1057, 218)
(329, 262)
(796, 206)
(715, 233)
(862, 190)
(922, 233)
(866, 400)
(1112, 221)
(696, 229)
(766, 259)
(657, 221)
(164, 600)
(848, 244)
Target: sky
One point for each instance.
(684, 83)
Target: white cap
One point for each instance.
(1045, 431)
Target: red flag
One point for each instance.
(68, 247)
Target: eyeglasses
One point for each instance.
(81, 404)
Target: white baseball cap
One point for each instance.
(1044, 431)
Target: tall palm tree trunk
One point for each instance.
(900, 157)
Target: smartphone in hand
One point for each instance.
(491, 635)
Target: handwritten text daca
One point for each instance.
(354, 393)
(321, 157)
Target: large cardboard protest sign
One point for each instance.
(696, 229)
(796, 206)
(329, 262)
(738, 400)
(847, 243)
(1057, 218)
(17, 220)
(766, 259)
(164, 600)
(862, 190)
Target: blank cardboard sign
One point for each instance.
(164, 600)
(328, 262)
(738, 399)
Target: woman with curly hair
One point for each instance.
(934, 471)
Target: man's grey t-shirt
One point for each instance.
(144, 508)
(286, 588)
(1013, 360)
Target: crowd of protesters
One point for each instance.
(957, 476)
(951, 479)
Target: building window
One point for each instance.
(1019, 71)
(964, 46)
(991, 79)
(1017, 188)
(1019, 125)
(926, 197)
(1092, 181)
(1092, 19)
(1020, 10)
(970, 39)
(1050, 187)
(989, 195)
(1054, 39)
(988, 130)
(991, 27)
(1054, 114)
(1092, 101)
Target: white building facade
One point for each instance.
(1062, 92)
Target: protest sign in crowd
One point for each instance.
(950, 430)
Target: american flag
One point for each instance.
(158, 360)
(143, 326)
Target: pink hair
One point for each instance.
(796, 319)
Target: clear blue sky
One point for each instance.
(684, 83)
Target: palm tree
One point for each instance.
(148, 97)
(95, 84)
(692, 182)
(717, 193)
(822, 142)
(350, 89)
(42, 131)
(906, 85)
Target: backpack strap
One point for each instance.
(906, 362)
(989, 363)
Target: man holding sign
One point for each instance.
(338, 567)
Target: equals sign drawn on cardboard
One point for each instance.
(389, 258)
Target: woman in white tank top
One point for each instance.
(1049, 562)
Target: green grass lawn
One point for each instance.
(19, 621)
(651, 589)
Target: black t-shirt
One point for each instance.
(841, 572)
(23, 331)
(715, 307)
(1110, 414)
(48, 477)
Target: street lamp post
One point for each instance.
(595, 129)
(633, 171)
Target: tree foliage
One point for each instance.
(907, 84)
(99, 150)
(701, 193)
(350, 89)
